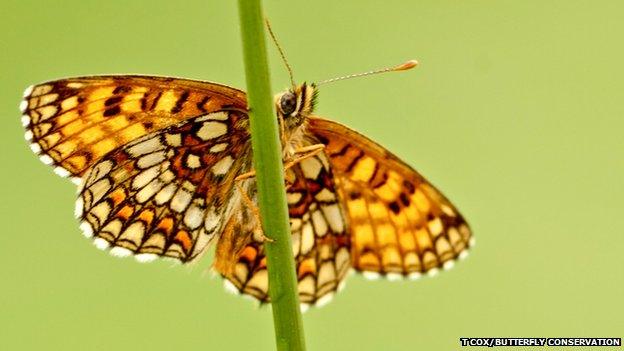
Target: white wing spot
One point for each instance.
(46, 159)
(393, 277)
(414, 276)
(219, 116)
(324, 300)
(193, 161)
(146, 176)
(61, 172)
(145, 147)
(230, 287)
(120, 251)
(23, 105)
(86, 228)
(218, 147)
(28, 91)
(211, 130)
(101, 244)
(293, 198)
(25, 120)
(371, 275)
(180, 200)
(311, 167)
(149, 190)
(35, 148)
(325, 195)
(334, 217)
(307, 238)
(167, 176)
(193, 217)
(463, 255)
(165, 194)
(295, 224)
(433, 272)
(223, 166)
(211, 222)
(151, 159)
(174, 140)
(320, 225)
(79, 207)
(146, 257)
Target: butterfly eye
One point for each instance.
(288, 103)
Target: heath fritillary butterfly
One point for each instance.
(156, 161)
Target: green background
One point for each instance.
(516, 113)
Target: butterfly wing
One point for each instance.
(400, 224)
(169, 192)
(72, 123)
(156, 157)
(319, 236)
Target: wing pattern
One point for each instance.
(72, 123)
(167, 193)
(319, 234)
(400, 225)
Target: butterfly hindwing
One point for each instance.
(167, 193)
(321, 245)
(400, 225)
(72, 123)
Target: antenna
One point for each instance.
(402, 67)
(279, 48)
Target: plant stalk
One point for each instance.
(267, 158)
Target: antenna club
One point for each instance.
(405, 66)
(402, 67)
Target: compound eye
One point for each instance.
(288, 103)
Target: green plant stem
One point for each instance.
(267, 157)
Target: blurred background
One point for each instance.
(516, 114)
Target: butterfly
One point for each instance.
(157, 162)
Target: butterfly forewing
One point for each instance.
(72, 123)
(400, 225)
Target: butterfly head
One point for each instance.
(294, 105)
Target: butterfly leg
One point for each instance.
(308, 151)
(311, 150)
(254, 209)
